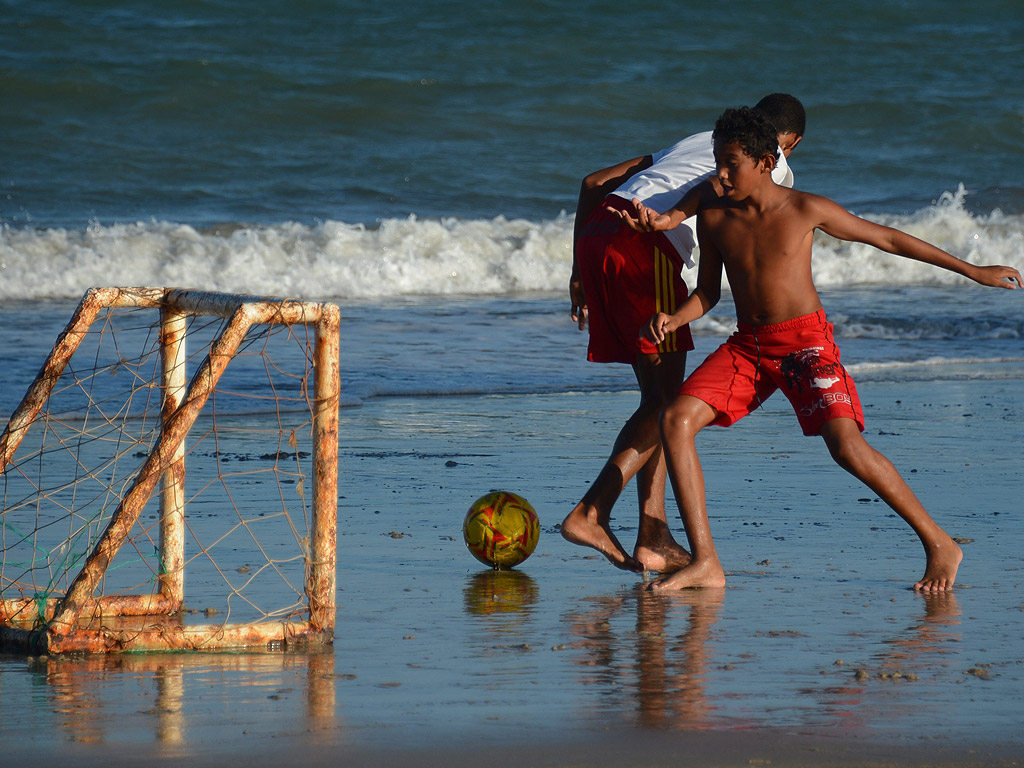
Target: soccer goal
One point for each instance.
(174, 439)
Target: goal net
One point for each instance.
(174, 443)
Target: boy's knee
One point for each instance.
(842, 455)
(848, 449)
(685, 416)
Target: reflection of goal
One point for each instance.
(93, 558)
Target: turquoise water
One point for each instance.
(228, 112)
(337, 149)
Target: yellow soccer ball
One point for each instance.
(501, 529)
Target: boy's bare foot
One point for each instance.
(577, 528)
(663, 558)
(705, 573)
(940, 571)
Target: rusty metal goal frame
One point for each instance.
(61, 626)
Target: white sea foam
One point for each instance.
(980, 239)
(400, 257)
(930, 362)
(421, 257)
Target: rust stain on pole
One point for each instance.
(321, 586)
(172, 491)
(277, 636)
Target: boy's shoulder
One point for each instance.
(714, 205)
(796, 203)
(812, 208)
(804, 210)
(806, 198)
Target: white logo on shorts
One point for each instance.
(827, 399)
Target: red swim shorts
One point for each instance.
(799, 356)
(627, 277)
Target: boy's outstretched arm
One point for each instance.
(705, 296)
(837, 221)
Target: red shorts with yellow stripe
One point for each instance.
(798, 356)
(627, 277)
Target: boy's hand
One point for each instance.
(659, 327)
(578, 300)
(645, 220)
(997, 277)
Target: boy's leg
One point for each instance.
(680, 423)
(637, 450)
(853, 453)
(660, 377)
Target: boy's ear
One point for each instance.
(788, 142)
(770, 161)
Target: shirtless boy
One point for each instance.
(619, 279)
(761, 234)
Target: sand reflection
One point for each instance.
(893, 683)
(650, 653)
(510, 594)
(935, 634)
(168, 699)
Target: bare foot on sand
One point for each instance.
(662, 558)
(940, 572)
(705, 573)
(579, 528)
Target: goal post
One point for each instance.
(99, 509)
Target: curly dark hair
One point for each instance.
(750, 129)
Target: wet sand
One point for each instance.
(642, 750)
(816, 653)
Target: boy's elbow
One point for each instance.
(708, 298)
(713, 293)
(594, 181)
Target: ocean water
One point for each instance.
(418, 163)
(232, 113)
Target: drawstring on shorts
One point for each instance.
(757, 371)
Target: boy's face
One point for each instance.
(738, 173)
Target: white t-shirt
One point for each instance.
(674, 172)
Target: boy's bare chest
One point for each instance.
(760, 242)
